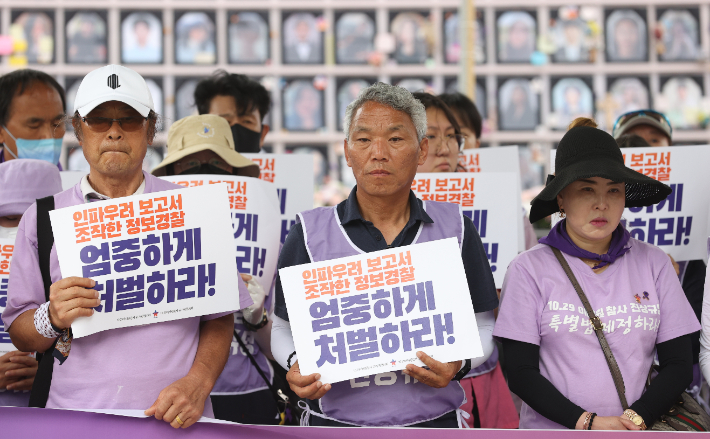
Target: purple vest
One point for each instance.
(239, 375)
(390, 398)
(12, 398)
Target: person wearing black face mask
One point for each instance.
(203, 145)
(243, 102)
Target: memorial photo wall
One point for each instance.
(536, 66)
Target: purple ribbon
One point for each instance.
(559, 239)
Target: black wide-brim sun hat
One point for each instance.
(586, 152)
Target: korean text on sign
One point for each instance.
(128, 218)
(295, 193)
(163, 259)
(656, 165)
(379, 271)
(350, 319)
(237, 190)
(7, 247)
(489, 199)
(254, 213)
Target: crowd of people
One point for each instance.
(530, 374)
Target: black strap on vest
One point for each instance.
(282, 400)
(45, 241)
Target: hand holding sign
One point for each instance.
(70, 298)
(308, 386)
(439, 374)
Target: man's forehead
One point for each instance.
(373, 114)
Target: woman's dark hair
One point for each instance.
(431, 101)
(248, 94)
(15, 83)
(631, 141)
(583, 122)
(465, 109)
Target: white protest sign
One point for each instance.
(678, 224)
(71, 178)
(489, 199)
(292, 174)
(416, 300)
(254, 210)
(7, 247)
(501, 159)
(155, 257)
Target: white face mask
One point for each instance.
(8, 232)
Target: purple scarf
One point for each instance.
(559, 239)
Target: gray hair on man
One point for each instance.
(397, 98)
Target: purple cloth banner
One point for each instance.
(16, 422)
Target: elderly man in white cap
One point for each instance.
(168, 368)
(21, 183)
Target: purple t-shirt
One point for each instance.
(123, 368)
(638, 298)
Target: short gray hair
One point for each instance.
(397, 98)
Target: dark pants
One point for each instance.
(448, 420)
(251, 408)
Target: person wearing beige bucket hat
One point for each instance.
(203, 145)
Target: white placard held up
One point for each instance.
(7, 247)
(489, 199)
(292, 174)
(679, 224)
(155, 257)
(500, 159)
(426, 308)
(254, 210)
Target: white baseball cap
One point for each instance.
(113, 83)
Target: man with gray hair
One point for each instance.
(385, 131)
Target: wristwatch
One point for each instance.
(635, 418)
(465, 369)
(261, 324)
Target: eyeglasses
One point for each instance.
(101, 124)
(655, 115)
(455, 142)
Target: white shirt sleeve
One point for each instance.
(485, 322)
(705, 331)
(282, 345)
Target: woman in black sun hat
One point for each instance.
(555, 360)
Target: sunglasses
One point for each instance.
(659, 117)
(102, 124)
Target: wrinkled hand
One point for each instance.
(614, 423)
(70, 298)
(17, 371)
(306, 386)
(439, 374)
(676, 267)
(185, 398)
(254, 313)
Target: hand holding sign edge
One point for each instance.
(70, 298)
(437, 376)
(308, 386)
